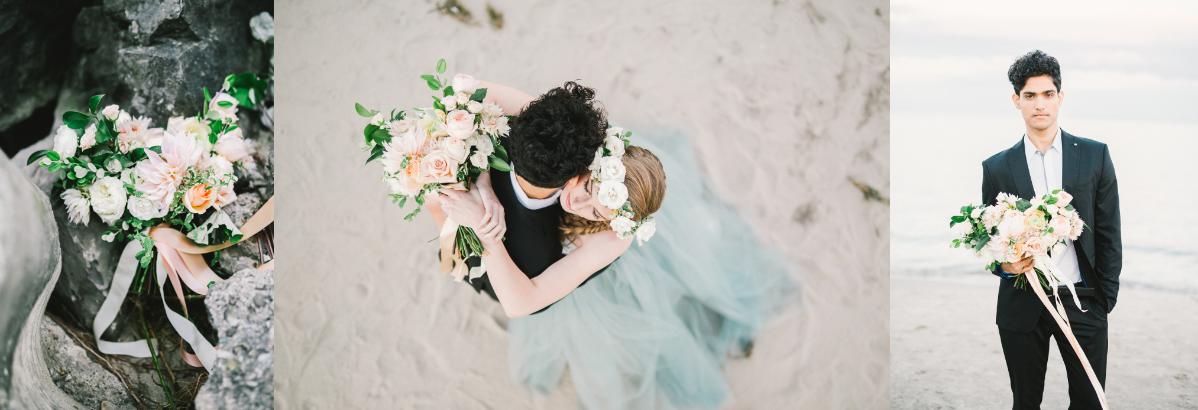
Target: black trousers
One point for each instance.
(1026, 354)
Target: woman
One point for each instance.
(638, 327)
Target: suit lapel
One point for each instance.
(1017, 164)
(1070, 162)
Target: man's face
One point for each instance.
(1038, 102)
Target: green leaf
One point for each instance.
(1022, 205)
(53, 155)
(432, 82)
(375, 153)
(499, 164)
(363, 111)
(75, 120)
(37, 155)
(479, 95)
(441, 66)
(956, 220)
(437, 104)
(1051, 200)
(448, 91)
(94, 104)
(225, 104)
(368, 131)
(381, 136)
(981, 243)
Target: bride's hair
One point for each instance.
(646, 182)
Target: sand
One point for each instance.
(786, 104)
(945, 351)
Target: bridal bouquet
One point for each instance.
(446, 146)
(1014, 228)
(134, 176)
(149, 185)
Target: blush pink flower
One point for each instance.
(159, 175)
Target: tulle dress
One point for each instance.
(654, 329)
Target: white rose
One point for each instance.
(113, 165)
(262, 27)
(976, 214)
(646, 231)
(482, 143)
(66, 141)
(459, 124)
(464, 83)
(1012, 223)
(111, 112)
(232, 146)
(450, 102)
(1063, 199)
(145, 209)
(378, 119)
(622, 225)
(89, 137)
(78, 208)
(474, 106)
(614, 131)
(457, 149)
(108, 199)
(219, 166)
(224, 114)
(479, 159)
(492, 110)
(611, 169)
(615, 145)
(397, 128)
(612, 194)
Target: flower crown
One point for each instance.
(608, 171)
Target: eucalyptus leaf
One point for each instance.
(441, 66)
(75, 120)
(363, 111)
(94, 103)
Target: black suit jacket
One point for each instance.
(1089, 175)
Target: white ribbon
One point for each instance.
(1057, 311)
(122, 279)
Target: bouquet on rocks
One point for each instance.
(158, 189)
(446, 146)
(1014, 228)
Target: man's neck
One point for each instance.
(533, 191)
(1042, 139)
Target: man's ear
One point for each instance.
(1015, 100)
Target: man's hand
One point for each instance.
(465, 208)
(1018, 268)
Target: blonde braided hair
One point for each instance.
(646, 181)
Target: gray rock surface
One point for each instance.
(77, 374)
(29, 266)
(36, 42)
(242, 311)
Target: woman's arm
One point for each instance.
(522, 296)
(511, 100)
(518, 294)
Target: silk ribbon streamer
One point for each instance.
(1058, 314)
(182, 261)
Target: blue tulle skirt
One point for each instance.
(654, 330)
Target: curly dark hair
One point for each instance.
(556, 136)
(1034, 64)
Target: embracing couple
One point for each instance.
(1045, 159)
(636, 327)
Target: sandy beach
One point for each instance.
(784, 103)
(946, 355)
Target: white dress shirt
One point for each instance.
(1045, 168)
(531, 203)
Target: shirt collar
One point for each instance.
(1030, 149)
(531, 203)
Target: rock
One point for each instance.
(77, 374)
(29, 267)
(28, 29)
(242, 311)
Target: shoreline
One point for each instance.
(945, 351)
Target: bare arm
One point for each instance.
(521, 296)
(511, 100)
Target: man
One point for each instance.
(1048, 158)
(553, 138)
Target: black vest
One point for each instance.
(533, 238)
